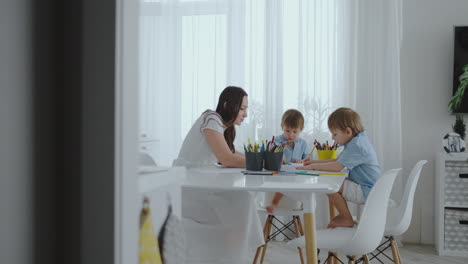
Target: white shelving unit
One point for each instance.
(451, 204)
(148, 138)
(161, 188)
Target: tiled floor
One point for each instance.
(280, 253)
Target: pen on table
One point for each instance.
(289, 172)
(312, 151)
(305, 173)
(283, 172)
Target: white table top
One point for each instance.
(233, 179)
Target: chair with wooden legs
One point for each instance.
(399, 218)
(280, 228)
(364, 238)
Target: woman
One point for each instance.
(205, 143)
(232, 219)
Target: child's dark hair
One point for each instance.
(229, 104)
(344, 117)
(292, 118)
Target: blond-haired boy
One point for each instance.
(358, 156)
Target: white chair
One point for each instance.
(146, 163)
(146, 160)
(366, 236)
(287, 209)
(399, 218)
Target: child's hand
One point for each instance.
(271, 208)
(304, 160)
(308, 167)
(307, 162)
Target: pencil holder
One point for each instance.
(326, 154)
(273, 160)
(254, 161)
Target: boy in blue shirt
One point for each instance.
(295, 150)
(292, 124)
(358, 157)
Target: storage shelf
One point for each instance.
(444, 160)
(456, 156)
(463, 206)
(453, 253)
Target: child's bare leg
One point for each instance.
(344, 219)
(274, 203)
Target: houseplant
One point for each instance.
(459, 126)
(456, 100)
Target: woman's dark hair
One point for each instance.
(229, 104)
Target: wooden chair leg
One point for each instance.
(256, 254)
(352, 260)
(297, 232)
(395, 251)
(301, 229)
(366, 259)
(267, 235)
(398, 252)
(399, 256)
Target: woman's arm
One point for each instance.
(221, 150)
(240, 153)
(324, 166)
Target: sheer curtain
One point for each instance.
(313, 55)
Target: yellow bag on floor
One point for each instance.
(148, 244)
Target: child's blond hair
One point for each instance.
(344, 117)
(292, 118)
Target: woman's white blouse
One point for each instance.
(195, 151)
(230, 217)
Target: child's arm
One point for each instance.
(323, 166)
(276, 199)
(274, 203)
(309, 161)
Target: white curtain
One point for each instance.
(312, 55)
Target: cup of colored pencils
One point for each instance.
(326, 151)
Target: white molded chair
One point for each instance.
(146, 160)
(287, 209)
(146, 163)
(399, 218)
(364, 238)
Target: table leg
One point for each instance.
(332, 211)
(310, 239)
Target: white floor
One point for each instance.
(279, 253)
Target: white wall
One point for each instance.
(426, 84)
